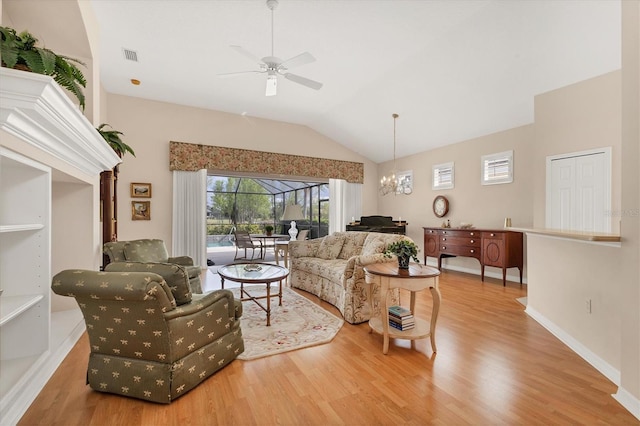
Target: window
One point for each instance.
(497, 168)
(442, 176)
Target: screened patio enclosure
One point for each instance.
(251, 203)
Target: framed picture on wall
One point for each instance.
(140, 190)
(141, 210)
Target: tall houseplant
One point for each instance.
(19, 51)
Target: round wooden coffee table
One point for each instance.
(255, 273)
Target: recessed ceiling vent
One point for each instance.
(130, 55)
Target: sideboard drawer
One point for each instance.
(467, 233)
(460, 250)
(459, 241)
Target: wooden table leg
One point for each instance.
(435, 293)
(268, 304)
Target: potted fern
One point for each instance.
(113, 139)
(404, 250)
(19, 51)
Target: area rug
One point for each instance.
(297, 324)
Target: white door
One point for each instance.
(578, 191)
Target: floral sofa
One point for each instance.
(332, 268)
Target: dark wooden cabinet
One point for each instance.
(498, 248)
(109, 208)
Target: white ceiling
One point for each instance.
(453, 70)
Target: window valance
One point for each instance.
(192, 157)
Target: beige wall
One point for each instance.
(578, 117)
(485, 206)
(629, 295)
(148, 127)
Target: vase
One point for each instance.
(403, 262)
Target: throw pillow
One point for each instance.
(330, 247)
(374, 244)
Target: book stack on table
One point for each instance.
(401, 318)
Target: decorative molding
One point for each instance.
(193, 157)
(35, 109)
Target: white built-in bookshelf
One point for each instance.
(45, 143)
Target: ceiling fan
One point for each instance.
(274, 66)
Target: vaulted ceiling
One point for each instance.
(453, 70)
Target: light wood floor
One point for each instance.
(494, 365)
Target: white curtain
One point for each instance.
(190, 216)
(346, 203)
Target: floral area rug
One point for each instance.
(298, 323)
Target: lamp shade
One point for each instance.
(292, 212)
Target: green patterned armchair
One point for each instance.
(150, 255)
(143, 343)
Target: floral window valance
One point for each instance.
(192, 157)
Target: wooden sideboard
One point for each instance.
(492, 247)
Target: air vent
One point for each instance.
(130, 55)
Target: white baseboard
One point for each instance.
(628, 401)
(16, 403)
(598, 363)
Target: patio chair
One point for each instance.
(244, 242)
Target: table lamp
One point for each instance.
(292, 212)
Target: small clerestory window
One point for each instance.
(442, 176)
(497, 168)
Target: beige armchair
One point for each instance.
(151, 253)
(143, 343)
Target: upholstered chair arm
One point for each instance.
(200, 302)
(181, 260)
(176, 276)
(124, 286)
(307, 248)
(207, 319)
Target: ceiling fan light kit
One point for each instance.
(274, 66)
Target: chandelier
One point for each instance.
(389, 183)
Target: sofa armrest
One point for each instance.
(181, 260)
(369, 259)
(307, 248)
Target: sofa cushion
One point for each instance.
(332, 270)
(146, 251)
(374, 243)
(331, 246)
(352, 246)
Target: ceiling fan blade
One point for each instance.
(233, 74)
(272, 85)
(304, 81)
(241, 50)
(296, 61)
